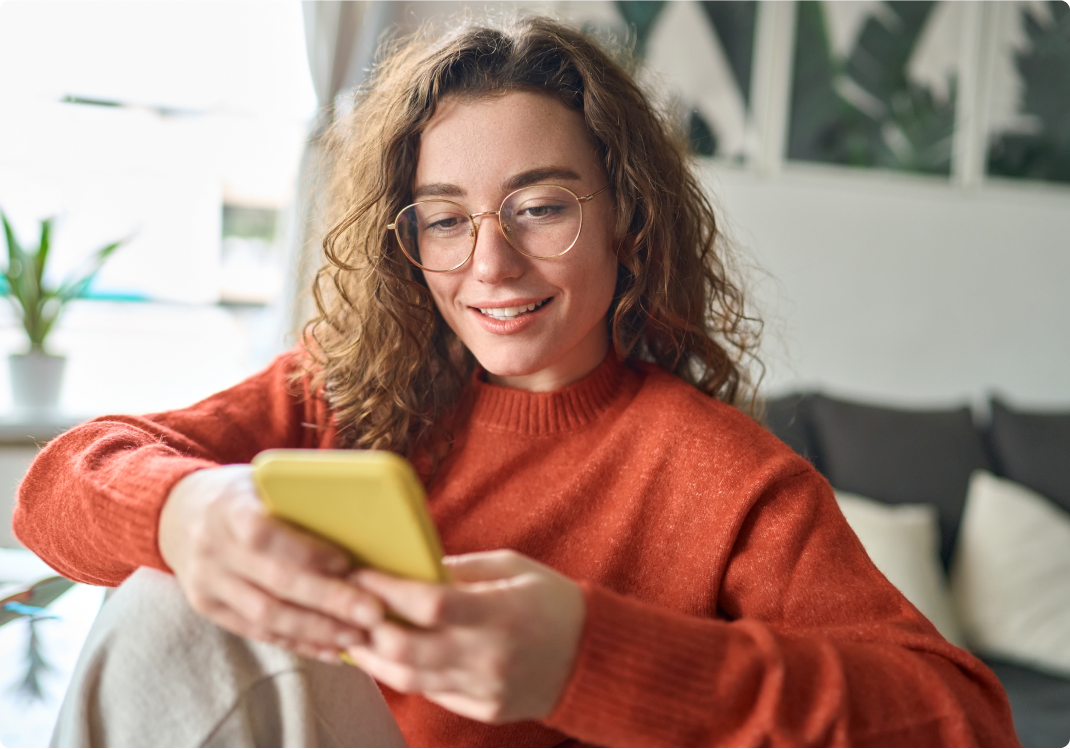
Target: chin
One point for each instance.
(512, 364)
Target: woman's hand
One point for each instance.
(256, 576)
(497, 645)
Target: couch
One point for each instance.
(1004, 579)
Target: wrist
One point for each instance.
(186, 505)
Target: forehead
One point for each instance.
(476, 144)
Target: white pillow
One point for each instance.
(1010, 578)
(904, 542)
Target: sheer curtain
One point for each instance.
(341, 38)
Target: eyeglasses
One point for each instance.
(539, 221)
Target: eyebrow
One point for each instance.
(530, 177)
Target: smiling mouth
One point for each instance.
(511, 313)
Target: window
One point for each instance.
(145, 126)
(180, 126)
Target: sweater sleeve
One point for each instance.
(812, 646)
(90, 503)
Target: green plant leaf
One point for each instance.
(16, 257)
(50, 312)
(21, 278)
(38, 306)
(76, 285)
(39, 595)
(41, 257)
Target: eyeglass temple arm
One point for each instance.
(586, 198)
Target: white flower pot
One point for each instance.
(36, 379)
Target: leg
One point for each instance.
(155, 673)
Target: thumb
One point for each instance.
(486, 566)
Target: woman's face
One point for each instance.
(475, 153)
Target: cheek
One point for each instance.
(442, 292)
(604, 275)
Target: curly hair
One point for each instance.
(390, 368)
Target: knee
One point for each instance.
(149, 610)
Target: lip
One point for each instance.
(518, 302)
(516, 325)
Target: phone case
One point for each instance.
(369, 502)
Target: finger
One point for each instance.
(254, 529)
(307, 588)
(271, 616)
(326, 655)
(414, 647)
(483, 710)
(488, 565)
(401, 677)
(232, 621)
(427, 604)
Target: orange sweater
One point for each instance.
(728, 602)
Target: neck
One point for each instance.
(570, 368)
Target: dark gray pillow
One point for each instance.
(1033, 449)
(786, 418)
(899, 456)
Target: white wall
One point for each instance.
(905, 289)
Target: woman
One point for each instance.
(524, 297)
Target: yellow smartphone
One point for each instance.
(369, 502)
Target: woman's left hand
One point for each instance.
(497, 645)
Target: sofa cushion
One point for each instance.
(786, 417)
(1010, 580)
(899, 456)
(904, 542)
(1040, 703)
(1033, 449)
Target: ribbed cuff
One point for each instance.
(134, 523)
(646, 676)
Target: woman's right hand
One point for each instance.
(256, 576)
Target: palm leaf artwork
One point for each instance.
(30, 605)
(732, 22)
(1045, 74)
(37, 304)
(640, 16)
(864, 110)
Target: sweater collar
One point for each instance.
(531, 413)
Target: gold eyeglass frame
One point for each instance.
(475, 227)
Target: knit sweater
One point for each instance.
(727, 600)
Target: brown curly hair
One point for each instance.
(380, 353)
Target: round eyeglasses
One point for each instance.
(539, 221)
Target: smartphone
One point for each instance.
(369, 502)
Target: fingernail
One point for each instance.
(328, 656)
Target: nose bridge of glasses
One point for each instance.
(478, 225)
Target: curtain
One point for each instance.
(341, 38)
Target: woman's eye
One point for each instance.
(444, 224)
(540, 211)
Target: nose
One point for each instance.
(494, 259)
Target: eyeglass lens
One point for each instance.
(541, 221)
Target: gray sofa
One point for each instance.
(898, 456)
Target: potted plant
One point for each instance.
(36, 375)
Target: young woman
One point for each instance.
(524, 296)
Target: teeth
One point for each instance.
(510, 313)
